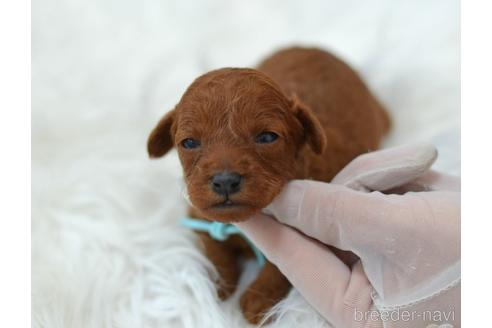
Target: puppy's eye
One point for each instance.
(190, 143)
(266, 137)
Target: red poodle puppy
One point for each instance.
(242, 133)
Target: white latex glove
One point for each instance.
(407, 239)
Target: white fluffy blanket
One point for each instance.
(106, 251)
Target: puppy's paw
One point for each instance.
(224, 291)
(255, 305)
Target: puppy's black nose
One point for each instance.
(226, 183)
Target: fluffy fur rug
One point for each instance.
(106, 250)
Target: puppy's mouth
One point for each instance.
(228, 204)
(229, 210)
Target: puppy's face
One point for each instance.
(238, 138)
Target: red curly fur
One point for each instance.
(324, 116)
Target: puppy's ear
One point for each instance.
(313, 131)
(161, 139)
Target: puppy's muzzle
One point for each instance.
(226, 183)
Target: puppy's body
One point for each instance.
(302, 114)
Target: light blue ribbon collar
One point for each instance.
(221, 231)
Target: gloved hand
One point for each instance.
(407, 239)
